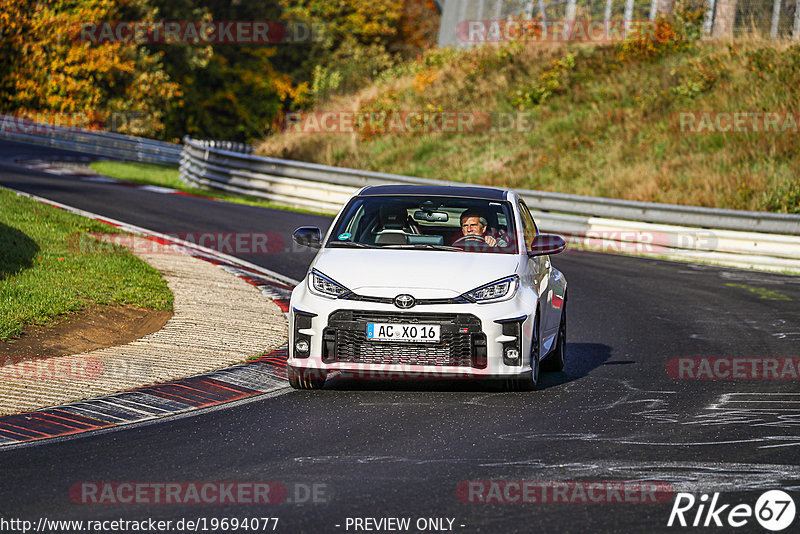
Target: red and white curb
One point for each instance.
(257, 377)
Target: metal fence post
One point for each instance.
(796, 27)
(528, 9)
(725, 18)
(571, 7)
(543, 15)
(628, 16)
(721, 18)
(708, 20)
(776, 17)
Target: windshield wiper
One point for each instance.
(351, 244)
(427, 246)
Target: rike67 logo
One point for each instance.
(774, 510)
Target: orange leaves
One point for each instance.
(651, 43)
(50, 70)
(665, 31)
(419, 25)
(387, 22)
(424, 78)
(296, 94)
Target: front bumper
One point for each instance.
(476, 339)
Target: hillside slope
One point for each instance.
(638, 120)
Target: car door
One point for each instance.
(539, 270)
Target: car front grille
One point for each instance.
(462, 344)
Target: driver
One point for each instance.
(473, 223)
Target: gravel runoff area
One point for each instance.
(219, 320)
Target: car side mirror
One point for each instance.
(308, 236)
(544, 244)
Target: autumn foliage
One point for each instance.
(230, 90)
(48, 72)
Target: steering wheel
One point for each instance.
(470, 239)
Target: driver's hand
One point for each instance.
(492, 242)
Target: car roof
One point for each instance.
(464, 191)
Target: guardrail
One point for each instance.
(729, 237)
(743, 239)
(299, 184)
(92, 142)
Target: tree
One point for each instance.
(50, 71)
(359, 39)
(230, 90)
(724, 18)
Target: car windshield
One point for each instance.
(426, 223)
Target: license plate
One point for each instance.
(410, 333)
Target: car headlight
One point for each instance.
(322, 285)
(502, 289)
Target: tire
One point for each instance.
(306, 378)
(555, 362)
(531, 378)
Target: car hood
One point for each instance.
(383, 273)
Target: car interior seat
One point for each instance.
(394, 225)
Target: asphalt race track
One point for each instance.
(408, 449)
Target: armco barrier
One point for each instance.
(752, 250)
(758, 240)
(261, 173)
(90, 142)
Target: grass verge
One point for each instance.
(44, 275)
(168, 176)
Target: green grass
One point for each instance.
(44, 273)
(763, 293)
(141, 173)
(168, 176)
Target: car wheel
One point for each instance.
(306, 378)
(556, 361)
(531, 378)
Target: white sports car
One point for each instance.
(417, 281)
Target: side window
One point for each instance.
(528, 226)
(354, 227)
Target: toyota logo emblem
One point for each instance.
(404, 301)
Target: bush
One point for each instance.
(673, 33)
(697, 76)
(551, 81)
